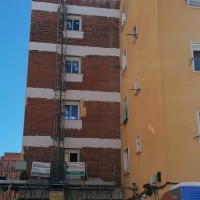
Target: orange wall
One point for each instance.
(164, 112)
(180, 89)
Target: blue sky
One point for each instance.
(14, 39)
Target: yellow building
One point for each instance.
(160, 90)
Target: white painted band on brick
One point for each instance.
(74, 95)
(73, 124)
(46, 141)
(43, 93)
(92, 142)
(92, 95)
(37, 141)
(83, 10)
(73, 50)
(75, 34)
(74, 77)
(41, 6)
(77, 10)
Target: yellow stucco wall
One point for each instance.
(163, 114)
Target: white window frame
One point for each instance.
(69, 151)
(75, 17)
(126, 161)
(124, 114)
(74, 103)
(77, 59)
(123, 15)
(124, 59)
(195, 46)
(193, 3)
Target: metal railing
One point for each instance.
(94, 171)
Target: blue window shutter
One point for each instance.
(68, 66)
(76, 25)
(75, 67)
(69, 24)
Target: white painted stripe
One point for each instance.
(37, 141)
(42, 46)
(41, 6)
(92, 95)
(73, 50)
(92, 142)
(77, 10)
(46, 141)
(83, 10)
(73, 124)
(74, 95)
(43, 93)
(75, 34)
(74, 77)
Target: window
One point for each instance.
(71, 155)
(125, 110)
(74, 23)
(195, 3)
(72, 65)
(126, 161)
(124, 59)
(196, 56)
(123, 15)
(72, 110)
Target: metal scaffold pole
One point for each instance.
(57, 158)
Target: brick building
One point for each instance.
(91, 114)
(7, 162)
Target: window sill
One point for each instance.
(196, 71)
(74, 77)
(73, 124)
(75, 34)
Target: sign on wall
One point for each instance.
(75, 168)
(40, 169)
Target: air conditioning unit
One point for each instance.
(186, 191)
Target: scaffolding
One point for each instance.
(57, 170)
(96, 183)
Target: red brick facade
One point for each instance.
(100, 73)
(98, 31)
(39, 120)
(101, 163)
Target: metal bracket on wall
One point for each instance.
(190, 61)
